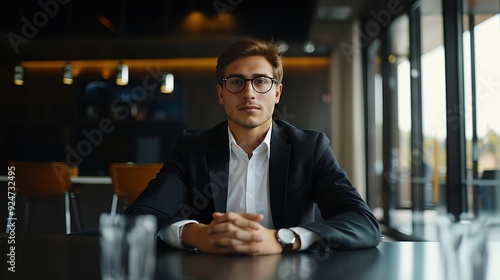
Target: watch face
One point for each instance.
(286, 236)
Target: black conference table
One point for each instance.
(78, 257)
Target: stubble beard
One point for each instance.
(248, 123)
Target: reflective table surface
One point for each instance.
(78, 257)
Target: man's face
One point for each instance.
(249, 109)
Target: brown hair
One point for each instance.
(250, 47)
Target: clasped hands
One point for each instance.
(232, 233)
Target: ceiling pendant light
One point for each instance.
(167, 84)
(18, 75)
(122, 74)
(68, 74)
(309, 47)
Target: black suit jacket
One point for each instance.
(303, 171)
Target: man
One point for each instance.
(249, 185)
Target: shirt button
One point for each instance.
(249, 196)
(251, 165)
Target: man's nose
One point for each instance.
(248, 91)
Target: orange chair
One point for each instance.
(43, 181)
(129, 180)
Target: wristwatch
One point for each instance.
(286, 237)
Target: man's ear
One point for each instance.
(219, 94)
(279, 89)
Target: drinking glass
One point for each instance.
(463, 248)
(128, 246)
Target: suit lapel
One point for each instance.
(218, 167)
(278, 175)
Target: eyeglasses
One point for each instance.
(260, 84)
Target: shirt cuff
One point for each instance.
(307, 237)
(172, 234)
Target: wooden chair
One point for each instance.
(45, 181)
(129, 180)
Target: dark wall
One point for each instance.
(91, 126)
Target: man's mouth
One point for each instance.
(249, 108)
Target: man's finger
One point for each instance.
(253, 217)
(241, 220)
(239, 235)
(228, 245)
(233, 215)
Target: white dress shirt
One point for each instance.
(248, 182)
(248, 191)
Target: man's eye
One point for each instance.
(261, 80)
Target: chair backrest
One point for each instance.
(129, 179)
(491, 174)
(42, 179)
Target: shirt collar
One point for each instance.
(266, 141)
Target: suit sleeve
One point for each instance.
(348, 221)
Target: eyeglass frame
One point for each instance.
(273, 81)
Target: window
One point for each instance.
(400, 93)
(433, 98)
(482, 96)
(374, 111)
(436, 157)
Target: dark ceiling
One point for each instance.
(94, 29)
(160, 18)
